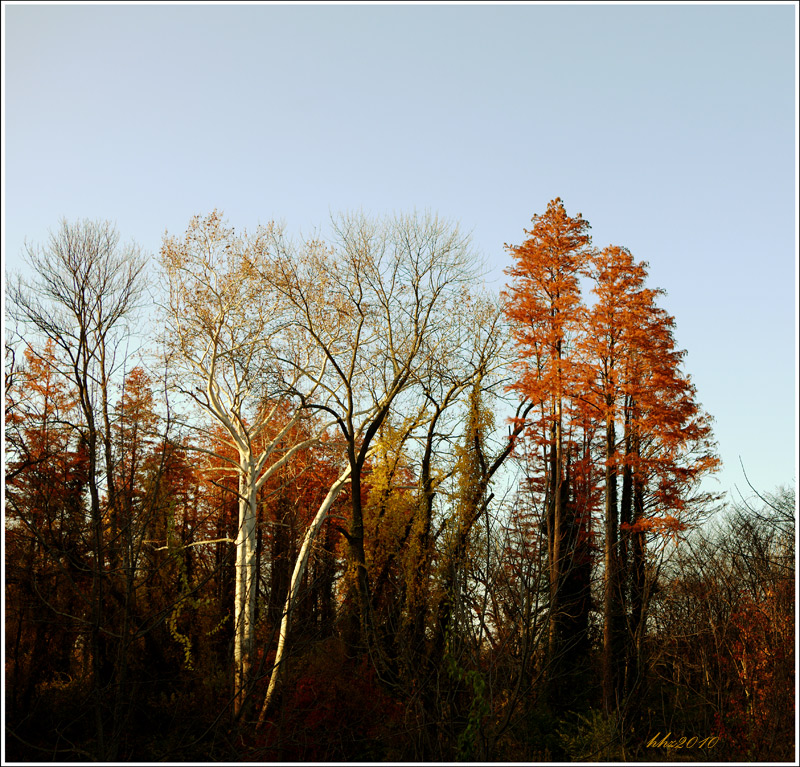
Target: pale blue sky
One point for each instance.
(671, 128)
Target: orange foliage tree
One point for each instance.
(47, 551)
(609, 369)
(545, 308)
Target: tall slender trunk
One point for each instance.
(611, 575)
(117, 564)
(97, 640)
(294, 587)
(556, 535)
(624, 558)
(358, 560)
(415, 586)
(244, 598)
(113, 511)
(639, 586)
(626, 504)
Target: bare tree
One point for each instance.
(471, 337)
(722, 627)
(374, 305)
(82, 296)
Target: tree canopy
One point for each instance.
(345, 502)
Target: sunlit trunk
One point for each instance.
(244, 597)
(294, 587)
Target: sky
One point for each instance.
(671, 128)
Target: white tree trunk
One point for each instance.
(294, 586)
(245, 594)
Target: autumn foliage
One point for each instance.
(351, 506)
